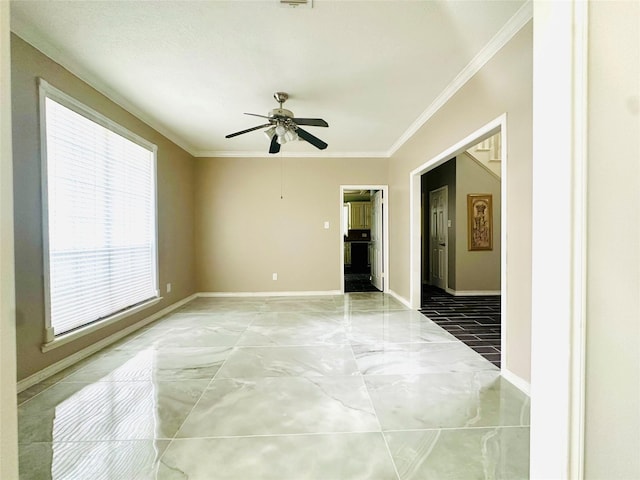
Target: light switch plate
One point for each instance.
(326, 225)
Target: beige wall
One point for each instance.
(612, 425)
(175, 173)
(245, 231)
(8, 414)
(504, 84)
(479, 269)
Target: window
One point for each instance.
(99, 194)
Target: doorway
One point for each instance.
(425, 259)
(467, 303)
(449, 260)
(363, 239)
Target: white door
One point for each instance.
(438, 237)
(376, 246)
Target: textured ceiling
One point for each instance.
(190, 69)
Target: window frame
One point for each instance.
(46, 90)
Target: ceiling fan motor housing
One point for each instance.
(280, 112)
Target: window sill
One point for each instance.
(83, 331)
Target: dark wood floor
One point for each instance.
(473, 320)
(357, 281)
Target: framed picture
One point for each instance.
(480, 221)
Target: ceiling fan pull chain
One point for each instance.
(281, 177)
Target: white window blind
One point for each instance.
(100, 219)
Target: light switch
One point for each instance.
(449, 223)
(326, 225)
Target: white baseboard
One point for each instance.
(269, 294)
(402, 300)
(471, 293)
(91, 349)
(516, 381)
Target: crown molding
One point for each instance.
(499, 40)
(504, 35)
(39, 42)
(239, 154)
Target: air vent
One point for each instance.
(296, 3)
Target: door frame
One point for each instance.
(499, 124)
(377, 232)
(446, 246)
(8, 404)
(385, 230)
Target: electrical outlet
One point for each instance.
(168, 288)
(275, 276)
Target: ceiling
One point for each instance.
(374, 70)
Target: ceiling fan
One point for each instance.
(284, 127)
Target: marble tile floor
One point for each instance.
(475, 320)
(338, 387)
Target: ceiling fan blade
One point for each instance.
(247, 130)
(313, 140)
(313, 122)
(256, 115)
(275, 146)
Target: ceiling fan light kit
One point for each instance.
(270, 132)
(291, 136)
(284, 127)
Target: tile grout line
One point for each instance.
(386, 444)
(294, 434)
(133, 335)
(174, 438)
(118, 346)
(367, 314)
(349, 344)
(484, 307)
(37, 394)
